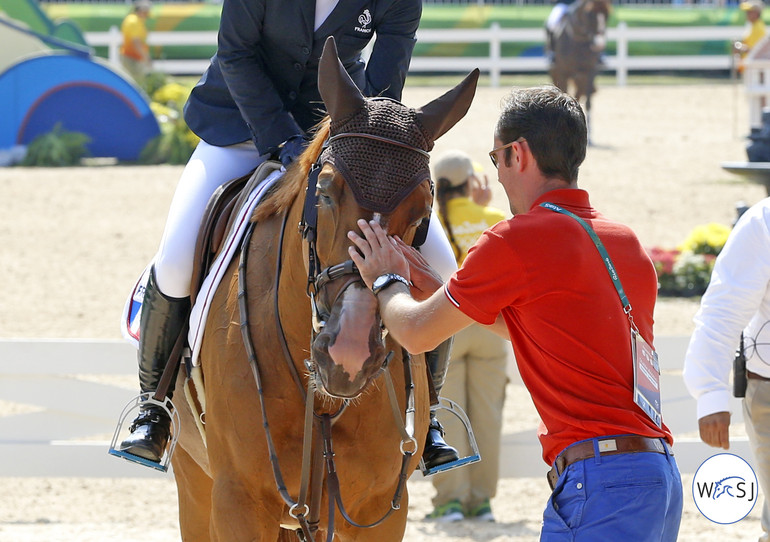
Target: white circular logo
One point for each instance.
(725, 488)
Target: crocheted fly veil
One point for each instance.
(379, 145)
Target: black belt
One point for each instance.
(625, 444)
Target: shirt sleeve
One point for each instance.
(240, 32)
(389, 62)
(487, 281)
(737, 287)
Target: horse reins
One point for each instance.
(308, 517)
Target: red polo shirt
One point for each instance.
(572, 341)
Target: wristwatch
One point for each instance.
(383, 281)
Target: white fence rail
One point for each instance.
(494, 64)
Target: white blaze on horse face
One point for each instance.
(377, 217)
(383, 222)
(351, 346)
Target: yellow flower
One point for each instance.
(706, 239)
(172, 93)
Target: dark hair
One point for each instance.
(443, 190)
(554, 125)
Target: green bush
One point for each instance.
(57, 148)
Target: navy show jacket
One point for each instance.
(262, 84)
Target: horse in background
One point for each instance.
(294, 350)
(577, 46)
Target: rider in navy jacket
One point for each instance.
(257, 100)
(262, 83)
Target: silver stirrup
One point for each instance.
(474, 457)
(122, 432)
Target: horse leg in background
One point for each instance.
(584, 83)
(193, 487)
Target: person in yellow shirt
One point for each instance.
(134, 51)
(476, 377)
(755, 29)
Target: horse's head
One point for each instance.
(374, 166)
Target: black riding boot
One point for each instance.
(437, 451)
(161, 323)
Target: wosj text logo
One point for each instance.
(725, 488)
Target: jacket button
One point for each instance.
(298, 66)
(292, 95)
(305, 51)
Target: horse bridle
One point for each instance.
(318, 278)
(308, 227)
(307, 517)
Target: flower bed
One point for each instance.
(686, 270)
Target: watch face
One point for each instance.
(380, 281)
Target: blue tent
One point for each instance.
(83, 94)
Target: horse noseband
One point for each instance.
(321, 308)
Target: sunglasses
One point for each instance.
(493, 152)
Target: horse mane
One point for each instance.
(295, 178)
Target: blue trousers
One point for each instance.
(626, 497)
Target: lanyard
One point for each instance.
(603, 252)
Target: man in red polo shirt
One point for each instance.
(540, 280)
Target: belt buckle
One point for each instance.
(607, 445)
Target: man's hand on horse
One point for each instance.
(376, 253)
(425, 280)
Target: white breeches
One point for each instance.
(208, 168)
(557, 12)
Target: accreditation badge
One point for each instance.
(646, 377)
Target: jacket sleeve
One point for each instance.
(388, 65)
(249, 84)
(737, 288)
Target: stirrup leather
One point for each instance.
(124, 424)
(474, 457)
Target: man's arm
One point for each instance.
(499, 328)
(419, 326)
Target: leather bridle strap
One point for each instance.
(407, 431)
(251, 354)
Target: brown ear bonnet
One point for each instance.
(379, 145)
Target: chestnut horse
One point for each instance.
(578, 44)
(270, 467)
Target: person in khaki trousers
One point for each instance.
(476, 377)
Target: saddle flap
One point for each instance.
(217, 220)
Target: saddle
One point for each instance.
(215, 227)
(218, 218)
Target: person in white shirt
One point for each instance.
(737, 301)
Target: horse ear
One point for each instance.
(438, 116)
(338, 91)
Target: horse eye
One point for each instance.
(323, 197)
